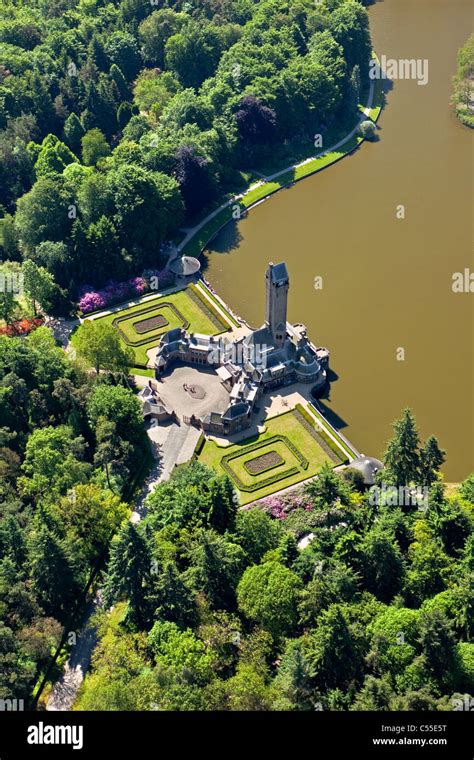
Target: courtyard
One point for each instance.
(190, 390)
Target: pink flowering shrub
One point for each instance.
(275, 507)
(91, 302)
(114, 292)
(159, 279)
(280, 506)
(139, 285)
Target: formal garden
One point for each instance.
(290, 450)
(141, 326)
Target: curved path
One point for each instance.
(191, 232)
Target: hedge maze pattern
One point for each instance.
(227, 458)
(147, 310)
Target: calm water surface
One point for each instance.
(386, 282)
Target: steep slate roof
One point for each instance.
(279, 273)
(235, 410)
(172, 335)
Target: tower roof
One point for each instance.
(278, 273)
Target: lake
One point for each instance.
(387, 282)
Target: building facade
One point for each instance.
(275, 355)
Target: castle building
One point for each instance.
(276, 354)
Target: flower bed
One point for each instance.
(264, 462)
(302, 464)
(21, 327)
(146, 325)
(280, 506)
(115, 292)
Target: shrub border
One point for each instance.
(332, 449)
(215, 316)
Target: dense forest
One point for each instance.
(207, 606)
(71, 444)
(120, 122)
(217, 608)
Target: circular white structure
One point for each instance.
(185, 266)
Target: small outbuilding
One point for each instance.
(185, 266)
(368, 468)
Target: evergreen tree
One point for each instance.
(174, 601)
(438, 644)
(402, 458)
(293, 685)
(128, 572)
(215, 567)
(328, 490)
(333, 652)
(124, 114)
(288, 549)
(120, 82)
(376, 694)
(73, 131)
(431, 459)
(223, 506)
(382, 566)
(96, 53)
(53, 577)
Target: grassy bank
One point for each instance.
(307, 166)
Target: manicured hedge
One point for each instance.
(273, 439)
(214, 298)
(262, 483)
(304, 463)
(143, 341)
(200, 444)
(320, 435)
(205, 304)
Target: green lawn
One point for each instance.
(186, 313)
(207, 294)
(126, 323)
(241, 458)
(286, 425)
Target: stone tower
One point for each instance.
(277, 297)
